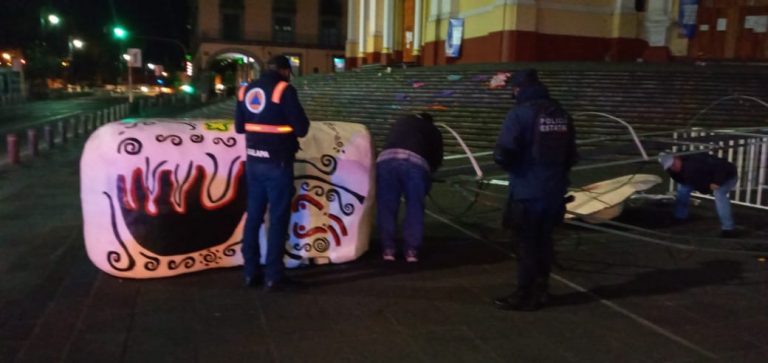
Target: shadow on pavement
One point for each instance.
(659, 282)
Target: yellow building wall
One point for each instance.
(589, 18)
(678, 44)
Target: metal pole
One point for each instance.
(12, 143)
(49, 138)
(750, 170)
(34, 150)
(739, 167)
(63, 131)
(674, 151)
(761, 174)
(130, 84)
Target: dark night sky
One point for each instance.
(92, 20)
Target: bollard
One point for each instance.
(50, 142)
(63, 131)
(32, 143)
(81, 126)
(12, 142)
(72, 127)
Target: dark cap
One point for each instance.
(279, 62)
(426, 116)
(525, 77)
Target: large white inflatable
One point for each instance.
(602, 201)
(163, 197)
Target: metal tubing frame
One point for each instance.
(614, 118)
(464, 146)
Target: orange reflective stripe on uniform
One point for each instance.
(277, 93)
(268, 129)
(241, 93)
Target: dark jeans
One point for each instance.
(538, 219)
(268, 184)
(396, 178)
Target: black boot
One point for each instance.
(253, 281)
(541, 291)
(520, 300)
(283, 284)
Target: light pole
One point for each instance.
(73, 44)
(127, 58)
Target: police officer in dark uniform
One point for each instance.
(268, 112)
(537, 148)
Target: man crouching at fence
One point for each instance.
(706, 174)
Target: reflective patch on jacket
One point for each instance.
(258, 153)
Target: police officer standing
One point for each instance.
(268, 112)
(537, 148)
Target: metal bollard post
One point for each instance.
(50, 142)
(32, 143)
(81, 126)
(63, 131)
(12, 142)
(72, 127)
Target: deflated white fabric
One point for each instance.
(604, 200)
(163, 197)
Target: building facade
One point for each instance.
(235, 38)
(393, 31)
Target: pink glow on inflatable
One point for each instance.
(163, 197)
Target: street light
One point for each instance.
(78, 44)
(53, 19)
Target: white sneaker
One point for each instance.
(411, 256)
(388, 255)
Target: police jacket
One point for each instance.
(269, 113)
(418, 135)
(701, 170)
(536, 145)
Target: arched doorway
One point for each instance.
(227, 69)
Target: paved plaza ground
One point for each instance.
(616, 299)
